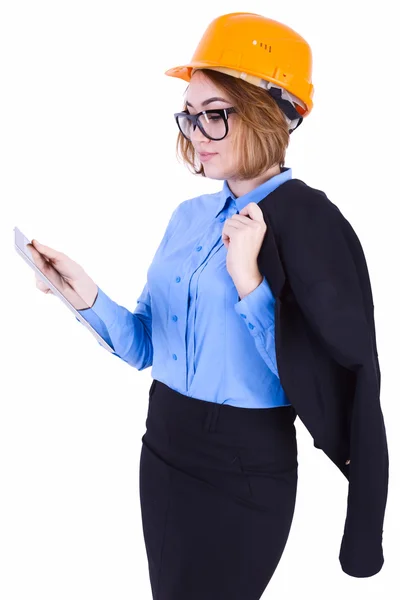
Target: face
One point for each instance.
(221, 164)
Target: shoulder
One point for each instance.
(307, 216)
(296, 202)
(202, 198)
(197, 204)
(295, 193)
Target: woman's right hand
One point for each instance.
(65, 274)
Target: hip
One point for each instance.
(196, 435)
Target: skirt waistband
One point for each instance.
(211, 416)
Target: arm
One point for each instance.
(256, 309)
(95, 321)
(128, 333)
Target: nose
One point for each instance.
(198, 136)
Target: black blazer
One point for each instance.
(326, 353)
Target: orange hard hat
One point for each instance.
(262, 49)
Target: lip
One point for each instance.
(205, 156)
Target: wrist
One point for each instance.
(248, 285)
(88, 291)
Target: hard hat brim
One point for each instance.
(184, 71)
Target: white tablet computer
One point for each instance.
(21, 242)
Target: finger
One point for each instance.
(44, 265)
(47, 268)
(242, 219)
(253, 211)
(229, 224)
(39, 259)
(49, 252)
(41, 285)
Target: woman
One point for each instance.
(218, 468)
(218, 472)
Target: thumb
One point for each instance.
(46, 250)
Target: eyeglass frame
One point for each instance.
(223, 112)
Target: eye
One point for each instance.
(213, 116)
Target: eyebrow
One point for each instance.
(209, 100)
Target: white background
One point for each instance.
(88, 167)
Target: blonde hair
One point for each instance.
(261, 136)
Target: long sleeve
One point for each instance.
(257, 311)
(327, 272)
(95, 321)
(128, 333)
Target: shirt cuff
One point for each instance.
(96, 323)
(104, 307)
(257, 309)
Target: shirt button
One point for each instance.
(174, 356)
(222, 219)
(177, 279)
(174, 318)
(199, 248)
(251, 326)
(242, 315)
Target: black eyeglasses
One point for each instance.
(212, 123)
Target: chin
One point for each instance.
(213, 172)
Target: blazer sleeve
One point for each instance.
(327, 273)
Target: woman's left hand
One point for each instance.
(243, 235)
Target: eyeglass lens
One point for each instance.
(212, 123)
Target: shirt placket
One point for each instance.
(209, 244)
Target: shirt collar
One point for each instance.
(255, 195)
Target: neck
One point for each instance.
(240, 187)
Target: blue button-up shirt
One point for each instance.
(189, 323)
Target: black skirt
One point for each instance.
(217, 490)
